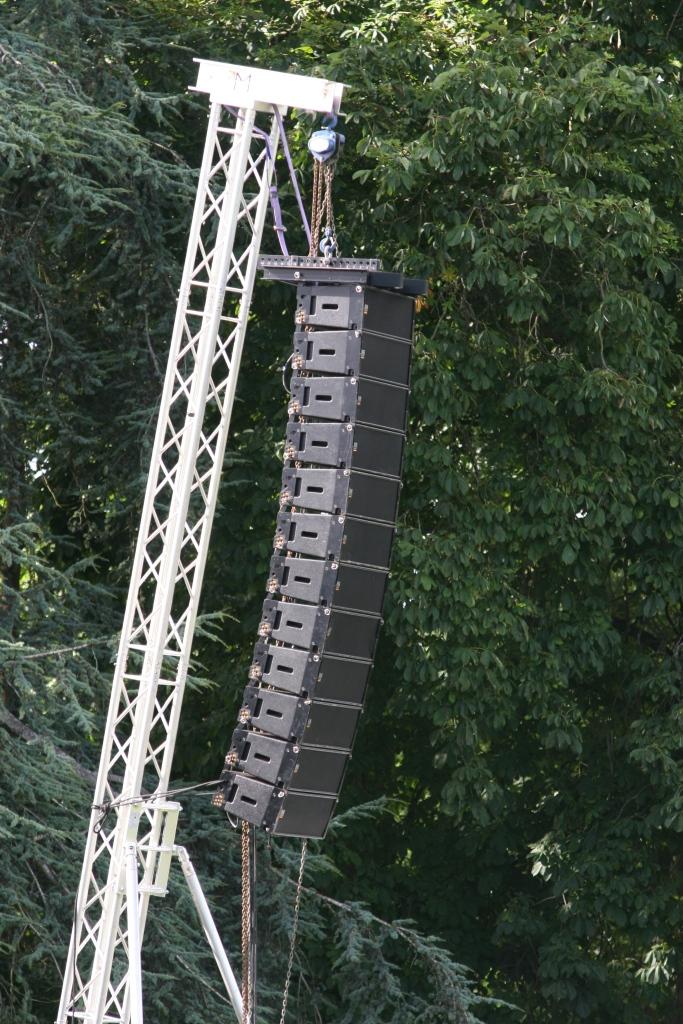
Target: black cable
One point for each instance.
(253, 926)
(109, 805)
(105, 810)
(286, 386)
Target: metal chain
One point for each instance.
(246, 924)
(329, 212)
(321, 206)
(316, 209)
(295, 927)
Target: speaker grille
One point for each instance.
(338, 505)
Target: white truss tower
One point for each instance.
(127, 855)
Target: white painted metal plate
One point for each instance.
(240, 86)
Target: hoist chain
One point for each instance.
(321, 208)
(316, 213)
(328, 173)
(295, 928)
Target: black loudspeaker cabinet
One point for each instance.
(332, 548)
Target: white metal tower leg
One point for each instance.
(210, 930)
(134, 938)
(100, 981)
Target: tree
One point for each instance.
(95, 178)
(523, 714)
(536, 598)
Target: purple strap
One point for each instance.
(277, 219)
(292, 173)
(274, 196)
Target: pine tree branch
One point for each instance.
(201, 980)
(18, 728)
(6, 55)
(96, 642)
(406, 934)
(673, 20)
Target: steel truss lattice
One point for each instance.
(158, 628)
(128, 852)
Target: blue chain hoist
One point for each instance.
(325, 146)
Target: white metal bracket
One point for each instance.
(258, 88)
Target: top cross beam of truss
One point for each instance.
(238, 86)
(103, 981)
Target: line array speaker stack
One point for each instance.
(328, 573)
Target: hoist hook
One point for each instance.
(328, 243)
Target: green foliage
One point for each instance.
(524, 717)
(536, 596)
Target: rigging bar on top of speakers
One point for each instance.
(332, 548)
